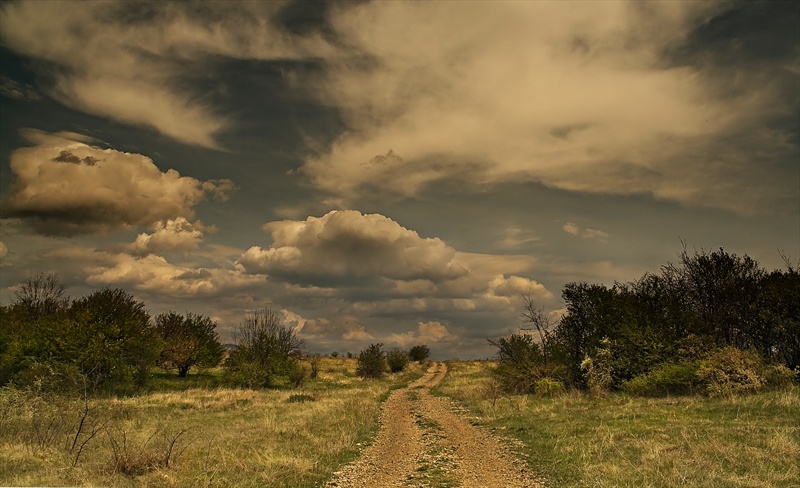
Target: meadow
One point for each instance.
(575, 439)
(195, 432)
(190, 432)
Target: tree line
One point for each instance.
(712, 321)
(108, 341)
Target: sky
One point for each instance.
(394, 172)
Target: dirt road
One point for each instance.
(423, 442)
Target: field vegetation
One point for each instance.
(578, 438)
(192, 432)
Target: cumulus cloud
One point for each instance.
(170, 235)
(64, 186)
(348, 245)
(578, 99)
(430, 333)
(126, 60)
(153, 274)
(585, 233)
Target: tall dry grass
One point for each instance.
(204, 437)
(573, 439)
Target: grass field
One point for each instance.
(575, 440)
(193, 433)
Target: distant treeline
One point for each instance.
(108, 342)
(713, 321)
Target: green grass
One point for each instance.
(229, 437)
(575, 439)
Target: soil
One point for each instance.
(424, 441)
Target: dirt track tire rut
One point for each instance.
(423, 442)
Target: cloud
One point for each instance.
(19, 91)
(347, 245)
(170, 235)
(130, 61)
(3, 249)
(428, 333)
(64, 186)
(577, 99)
(587, 233)
(514, 237)
(152, 274)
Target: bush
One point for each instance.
(297, 374)
(397, 360)
(778, 376)
(548, 387)
(52, 377)
(265, 350)
(419, 353)
(371, 361)
(521, 363)
(599, 370)
(730, 371)
(666, 379)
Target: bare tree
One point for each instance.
(265, 348)
(41, 295)
(539, 321)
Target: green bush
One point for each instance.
(419, 353)
(730, 371)
(778, 376)
(548, 387)
(371, 361)
(599, 369)
(666, 379)
(397, 359)
(297, 374)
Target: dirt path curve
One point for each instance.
(423, 442)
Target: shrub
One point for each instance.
(300, 398)
(419, 353)
(371, 361)
(520, 364)
(730, 371)
(297, 374)
(599, 370)
(397, 360)
(778, 376)
(549, 386)
(666, 379)
(265, 349)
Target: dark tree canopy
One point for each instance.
(188, 341)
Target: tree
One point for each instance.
(397, 359)
(265, 350)
(371, 361)
(188, 341)
(538, 321)
(591, 315)
(40, 296)
(520, 363)
(419, 353)
(110, 337)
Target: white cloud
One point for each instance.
(348, 245)
(152, 274)
(170, 235)
(585, 233)
(575, 98)
(428, 333)
(114, 64)
(64, 186)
